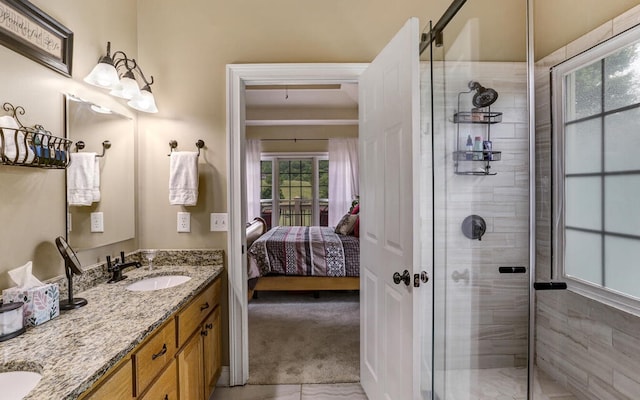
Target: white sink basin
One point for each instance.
(17, 384)
(158, 282)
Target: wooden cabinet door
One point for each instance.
(190, 369)
(166, 386)
(212, 347)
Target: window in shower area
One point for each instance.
(597, 171)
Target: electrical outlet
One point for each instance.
(219, 222)
(97, 222)
(184, 221)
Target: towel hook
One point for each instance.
(105, 145)
(199, 145)
(173, 144)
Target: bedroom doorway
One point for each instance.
(238, 78)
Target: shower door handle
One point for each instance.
(405, 277)
(549, 285)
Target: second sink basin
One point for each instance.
(17, 384)
(158, 282)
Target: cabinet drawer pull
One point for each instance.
(204, 306)
(209, 326)
(204, 333)
(161, 353)
(166, 397)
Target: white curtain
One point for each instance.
(252, 159)
(343, 177)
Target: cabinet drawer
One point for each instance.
(190, 317)
(154, 355)
(166, 387)
(118, 385)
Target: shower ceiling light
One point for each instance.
(105, 75)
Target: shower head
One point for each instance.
(483, 97)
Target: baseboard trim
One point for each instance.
(223, 380)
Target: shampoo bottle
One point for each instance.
(469, 149)
(477, 148)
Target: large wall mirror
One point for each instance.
(95, 125)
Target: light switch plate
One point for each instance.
(184, 221)
(219, 222)
(97, 222)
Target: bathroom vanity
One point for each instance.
(128, 344)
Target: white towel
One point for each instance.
(95, 192)
(80, 177)
(20, 153)
(183, 178)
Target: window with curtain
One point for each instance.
(294, 189)
(597, 171)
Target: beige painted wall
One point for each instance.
(33, 200)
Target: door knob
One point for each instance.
(405, 277)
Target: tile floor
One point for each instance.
(477, 384)
(338, 391)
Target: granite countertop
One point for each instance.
(75, 349)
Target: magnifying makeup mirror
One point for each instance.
(71, 267)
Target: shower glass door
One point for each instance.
(478, 99)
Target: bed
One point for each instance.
(304, 258)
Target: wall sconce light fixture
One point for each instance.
(105, 75)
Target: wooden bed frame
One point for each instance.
(305, 283)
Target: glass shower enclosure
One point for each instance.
(475, 120)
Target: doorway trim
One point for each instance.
(238, 77)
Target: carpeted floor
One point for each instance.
(295, 338)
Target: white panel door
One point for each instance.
(389, 187)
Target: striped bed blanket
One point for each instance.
(304, 250)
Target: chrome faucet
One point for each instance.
(119, 265)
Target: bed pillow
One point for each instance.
(356, 227)
(345, 226)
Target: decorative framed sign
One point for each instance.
(26, 29)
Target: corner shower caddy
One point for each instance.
(464, 160)
(31, 146)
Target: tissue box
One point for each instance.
(41, 303)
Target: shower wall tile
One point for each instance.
(625, 385)
(486, 313)
(592, 348)
(503, 131)
(627, 20)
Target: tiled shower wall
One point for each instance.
(486, 312)
(593, 349)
